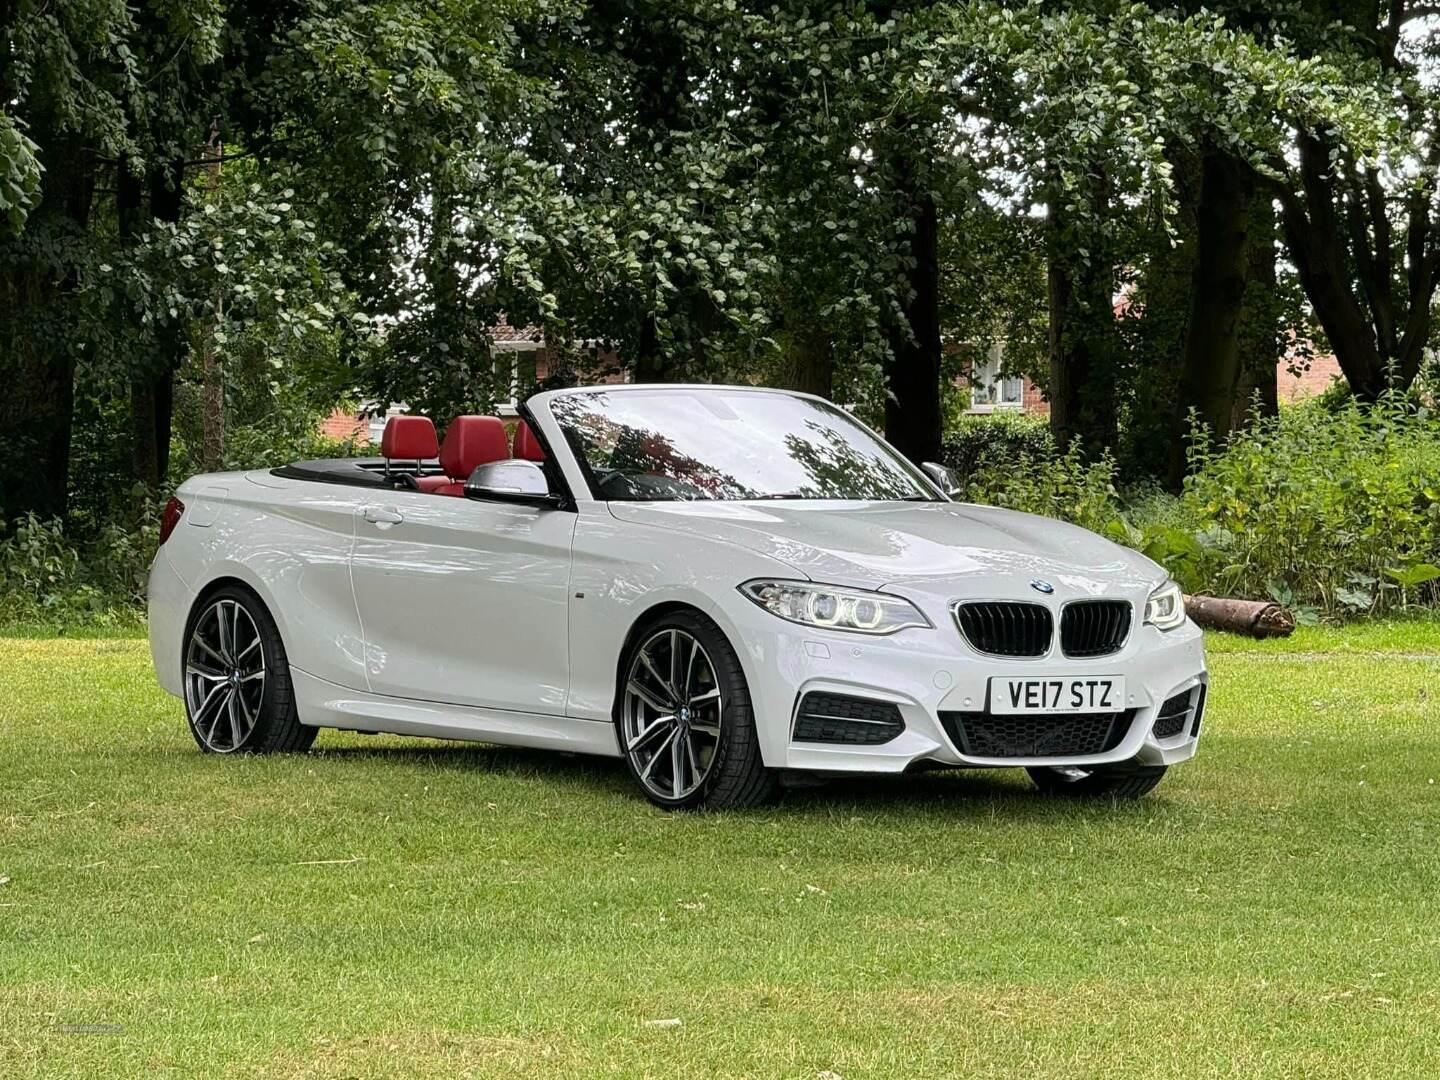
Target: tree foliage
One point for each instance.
(842, 196)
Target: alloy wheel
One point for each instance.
(672, 714)
(224, 676)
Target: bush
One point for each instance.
(45, 575)
(1335, 508)
(979, 442)
(1330, 508)
(1010, 460)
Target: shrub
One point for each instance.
(978, 442)
(46, 575)
(1335, 507)
(1011, 461)
(1331, 508)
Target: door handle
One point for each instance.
(381, 516)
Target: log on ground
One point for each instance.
(1253, 618)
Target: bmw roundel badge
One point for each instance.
(1042, 586)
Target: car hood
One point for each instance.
(871, 544)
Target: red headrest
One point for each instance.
(409, 438)
(472, 441)
(526, 445)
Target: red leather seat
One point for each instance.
(470, 441)
(410, 438)
(526, 445)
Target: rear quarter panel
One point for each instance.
(287, 540)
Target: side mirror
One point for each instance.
(511, 481)
(942, 476)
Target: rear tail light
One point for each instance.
(170, 518)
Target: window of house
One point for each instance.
(513, 365)
(988, 391)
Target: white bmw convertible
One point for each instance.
(723, 586)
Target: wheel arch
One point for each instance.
(228, 580)
(652, 614)
(657, 609)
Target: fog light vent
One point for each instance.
(838, 718)
(1174, 714)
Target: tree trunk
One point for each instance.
(809, 363)
(1217, 294)
(37, 358)
(649, 364)
(1252, 618)
(912, 409)
(212, 385)
(1082, 346)
(152, 388)
(1312, 235)
(1163, 299)
(1260, 351)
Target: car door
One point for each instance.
(464, 601)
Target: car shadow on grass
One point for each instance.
(961, 793)
(548, 765)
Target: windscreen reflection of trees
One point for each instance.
(631, 462)
(841, 470)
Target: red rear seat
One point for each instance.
(410, 438)
(470, 441)
(526, 445)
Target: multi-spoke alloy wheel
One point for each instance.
(224, 676)
(673, 714)
(684, 718)
(238, 695)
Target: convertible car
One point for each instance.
(727, 587)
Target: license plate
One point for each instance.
(1086, 694)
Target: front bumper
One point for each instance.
(928, 672)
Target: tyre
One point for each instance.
(684, 719)
(238, 694)
(1123, 781)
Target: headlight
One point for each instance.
(1165, 610)
(831, 607)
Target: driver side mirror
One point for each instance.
(942, 477)
(511, 481)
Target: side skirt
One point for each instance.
(324, 704)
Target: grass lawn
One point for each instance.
(390, 907)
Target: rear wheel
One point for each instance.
(686, 726)
(1123, 781)
(238, 695)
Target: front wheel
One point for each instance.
(238, 695)
(685, 722)
(1123, 781)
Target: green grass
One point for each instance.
(385, 907)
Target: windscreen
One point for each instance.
(664, 444)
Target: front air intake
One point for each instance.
(838, 718)
(1090, 628)
(978, 734)
(1005, 628)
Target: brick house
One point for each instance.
(989, 392)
